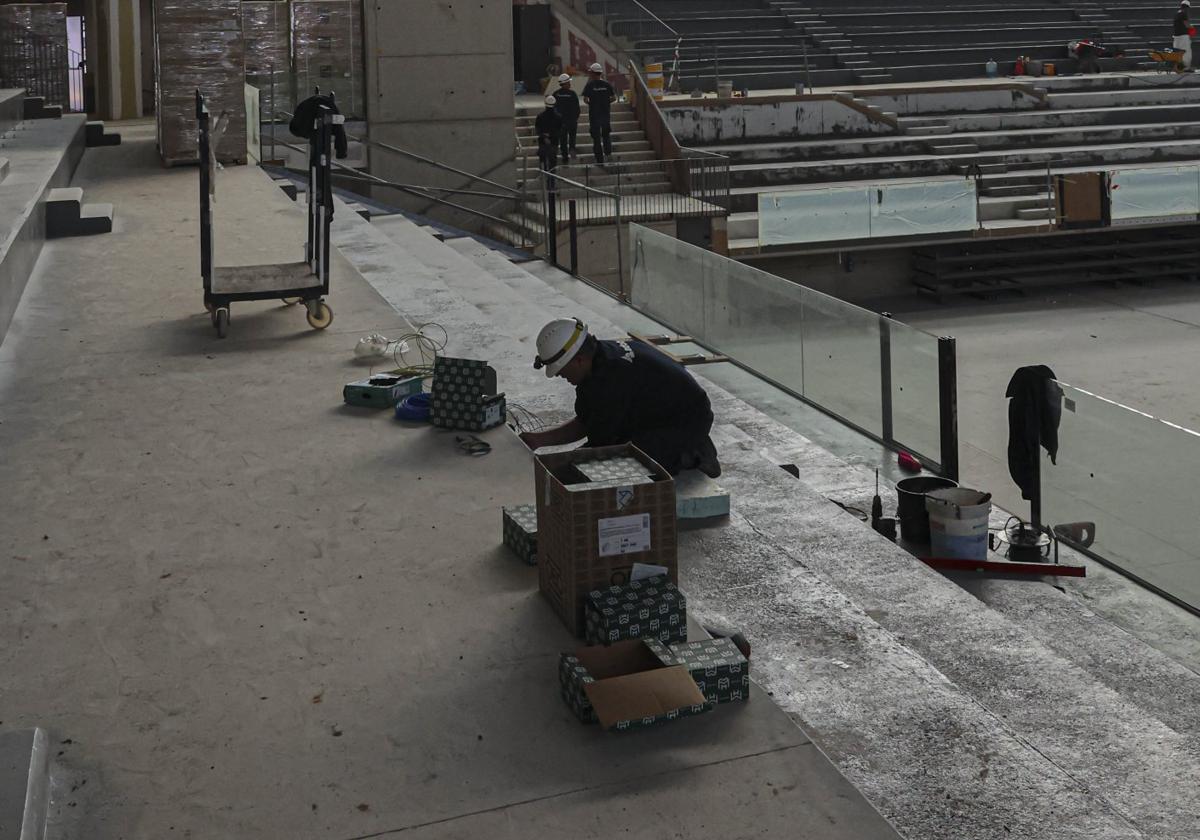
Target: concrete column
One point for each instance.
(118, 58)
(439, 82)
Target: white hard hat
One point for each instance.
(564, 78)
(1185, 3)
(596, 68)
(558, 342)
(550, 100)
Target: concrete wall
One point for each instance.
(728, 120)
(952, 100)
(439, 83)
(856, 276)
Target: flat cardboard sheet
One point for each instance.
(648, 694)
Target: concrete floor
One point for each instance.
(245, 610)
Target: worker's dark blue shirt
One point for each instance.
(599, 94)
(568, 105)
(633, 389)
(1182, 24)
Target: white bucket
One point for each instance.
(958, 523)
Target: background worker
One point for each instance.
(548, 126)
(568, 109)
(1183, 33)
(627, 392)
(600, 96)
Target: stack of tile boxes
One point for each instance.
(266, 28)
(38, 29)
(327, 42)
(198, 46)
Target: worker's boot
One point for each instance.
(706, 460)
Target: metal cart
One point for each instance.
(301, 282)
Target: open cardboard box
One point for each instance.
(630, 685)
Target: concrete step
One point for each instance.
(619, 147)
(923, 130)
(953, 148)
(1034, 213)
(95, 135)
(3, 168)
(24, 784)
(67, 215)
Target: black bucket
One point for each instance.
(910, 508)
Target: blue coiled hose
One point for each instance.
(414, 408)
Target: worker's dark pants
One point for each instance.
(601, 138)
(569, 131)
(676, 448)
(548, 156)
(1089, 64)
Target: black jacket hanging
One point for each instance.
(306, 116)
(1034, 412)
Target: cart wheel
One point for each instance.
(290, 301)
(221, 320)
(320, 316)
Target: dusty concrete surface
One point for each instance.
(949, 711)
(244, 610)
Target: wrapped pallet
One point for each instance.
(266, 27)
(198, 46)
(327, 43)
(35, 50)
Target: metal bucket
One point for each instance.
(910, 505)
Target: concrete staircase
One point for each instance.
(1029, 710)
(37, 109)
(67, 215)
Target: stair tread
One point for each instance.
(65, 194)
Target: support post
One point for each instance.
(885, 376)
(552, 223)
(574, 237)
(948, 405)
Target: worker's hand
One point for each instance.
(532, 439)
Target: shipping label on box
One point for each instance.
(520, 531)
(624, 535)
(652, 609)
(719, 669)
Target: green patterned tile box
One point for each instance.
(631, 685)
(721, 672)
(650, 608)
(463, 395)
(520, 531)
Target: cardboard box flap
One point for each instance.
(643, 695)
(618, 660)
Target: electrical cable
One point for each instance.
(414, 408)
(523, 419)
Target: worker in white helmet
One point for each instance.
(627, 392)
(548, 126)
(568, 109)
(1182, 39)
(600, 95)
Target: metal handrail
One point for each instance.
(513, 192)
(666, 25)
(419, 192)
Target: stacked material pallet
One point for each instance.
(266, 27)
(198, 46)
(327, 46)
(34, 56)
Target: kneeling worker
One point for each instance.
(627, 392)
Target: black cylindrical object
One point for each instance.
(910, 505)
